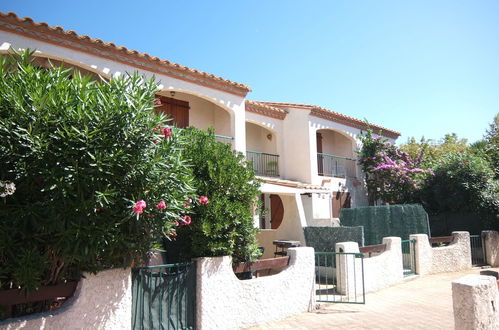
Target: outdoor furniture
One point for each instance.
(283, 245)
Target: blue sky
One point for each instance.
(424, 68)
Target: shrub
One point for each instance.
(224, 226)
(463, 182)
(391, 175)
(80, 155)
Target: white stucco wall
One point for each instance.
(115, 68)
(475, 302)
(454, 257)
(225, 302)
(101, 301)
(257, 140)
(380, 271)
(491, 246)
(291, 227)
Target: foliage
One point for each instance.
(391, 175)
(224, 226)
(488, 148)
(463, 182)
(80, 154)
(430, 152)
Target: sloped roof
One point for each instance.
(266, 110)
(334, 116)
(70, 39)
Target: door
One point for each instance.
(276, 211)
(340, 200)
(177, 110)
(320, 158)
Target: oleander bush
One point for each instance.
(222, 219)
(90, 178)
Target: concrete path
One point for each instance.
(421, 303)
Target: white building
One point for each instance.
(305, 154)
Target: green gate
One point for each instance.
(339, 277)
(408, 257)
(477, 250)
(164, 297)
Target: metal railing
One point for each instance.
(477, 251)
(409, 257)
(339, 277)
(164, 297)
(337, 166)
(224, 139)
(264, 164)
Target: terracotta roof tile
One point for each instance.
(56, 34)
(266, 110)
(334, 116)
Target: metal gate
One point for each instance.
(339, 277)
(408, 257)
(164, 297)
(477, 251)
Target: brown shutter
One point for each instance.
(177, 110)
(341, 200)
(276, 211)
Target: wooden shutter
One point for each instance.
(341, 200)
(276, 211)
(177, 110)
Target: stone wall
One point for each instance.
(452, 258)
(475, 300)
(225, 302)
(491, 247)
(101, 301)
(380, 271)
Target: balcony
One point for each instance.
(335, 166)
(224, 139)
(264, 164)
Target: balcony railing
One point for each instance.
(331, 165)
(264, 164)
(224, 139)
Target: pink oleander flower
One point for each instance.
(167, 132)
(139, 207)
(161, 205)
(203, 200)
(157, 101)
(186, 220)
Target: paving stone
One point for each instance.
(422, 303)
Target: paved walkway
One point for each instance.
(422, 303)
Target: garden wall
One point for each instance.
(452, 258)
(324, 239)
(387, 221)
(101, 301)
(491, 246)
(225, 302)
(380, 271)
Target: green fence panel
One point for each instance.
(388, 220)
(164, 297)
(324, 239)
